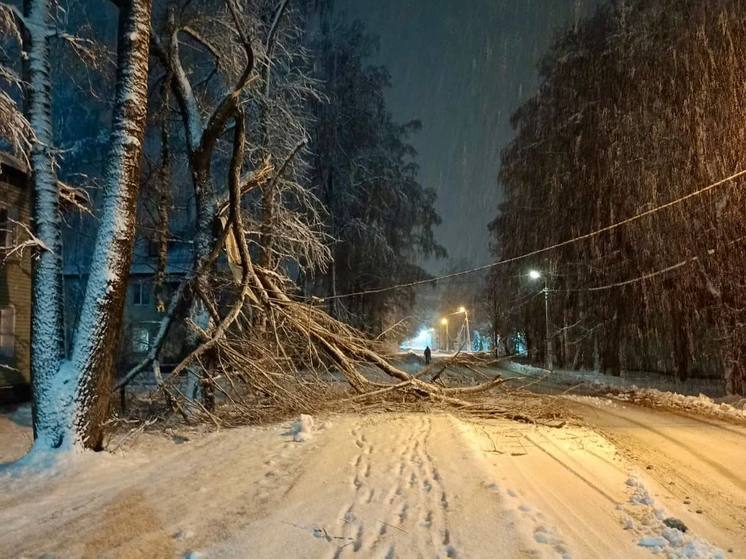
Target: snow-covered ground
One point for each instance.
(395, 485)
(648, 390)
(628, 380)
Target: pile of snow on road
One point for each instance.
(652, 525)
(593, 383)
(302, 430)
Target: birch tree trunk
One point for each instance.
(47, 322)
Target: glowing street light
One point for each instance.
(548, 357)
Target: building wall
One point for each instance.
(15, 276)
(140, 322)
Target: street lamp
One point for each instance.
(536, 275)
(468, 330)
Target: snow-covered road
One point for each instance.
(397, 485)
(697, 461)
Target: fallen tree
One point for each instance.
(302, 352)
(256, 349)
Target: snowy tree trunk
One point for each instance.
(47, 330)
(71, 397)
(97, 338)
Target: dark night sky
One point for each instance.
(462, 67)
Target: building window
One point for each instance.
(8, 228)
(140, 339)
(141, 292)
(8, 332)
(154, 247)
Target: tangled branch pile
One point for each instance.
(254, 349)
(303, 360)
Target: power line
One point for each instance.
(574, 240)
(524, 301)
(646, 276)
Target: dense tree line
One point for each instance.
(640, 105)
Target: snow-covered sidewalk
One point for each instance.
(389, 485)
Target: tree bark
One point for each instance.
(47, 323)
(164, 197)
(97, 337)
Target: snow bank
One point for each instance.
(595, 382)
(653, 526)
(700, 404)
(669, 393)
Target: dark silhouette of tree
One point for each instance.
(639, 105)
(380, 217)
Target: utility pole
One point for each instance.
(548, 353)
(444, 322)
(548, 350)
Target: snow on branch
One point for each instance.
(12, 21)
(14, 127)
(75, 197)
(85, 49)
(228, 105)
(31, 242)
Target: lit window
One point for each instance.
(140, 340)
(8, 332)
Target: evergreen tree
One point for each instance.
(381, 218)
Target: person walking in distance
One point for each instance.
(428, 355)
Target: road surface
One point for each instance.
(697, 461)
(395, 485)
